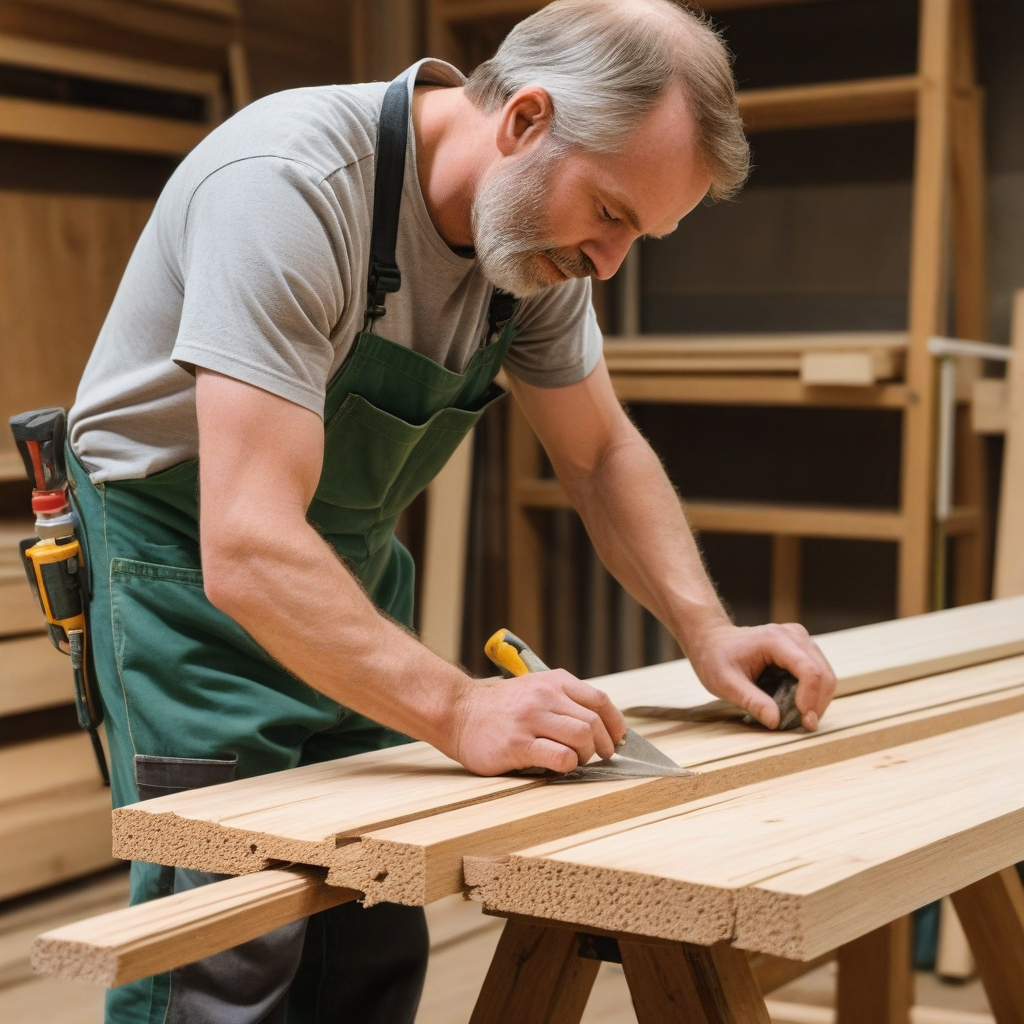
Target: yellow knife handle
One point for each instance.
(512, 655)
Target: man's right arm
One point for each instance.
(266, 567)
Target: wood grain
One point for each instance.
(876, 980)
(825, 857)
(33, 674)
(536, 977)
(61, 260)
(1009, 568)
(317, 813)
(135, 942)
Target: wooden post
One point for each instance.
(970, 270)
(525, 543)
(684, 984)
(928, 271)
(536, 977)
(992, 913)
(876, 979)
(444, 556)
(1009, 576)
(784, 604)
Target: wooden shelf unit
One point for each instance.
(942, 97)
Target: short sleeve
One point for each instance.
(559, 342)
(262, 279)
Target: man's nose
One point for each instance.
(607, 254)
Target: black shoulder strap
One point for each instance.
(392, 139)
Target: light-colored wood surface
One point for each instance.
(927, 300)
(19, 612)
(826, 856)
(423, 860)
(1009, 569)
(32, 53)
(307, 814)
(876, 979)
(784, 596)
(444, 559)
(990, 408)
(870, 100)
(134, 942)
(33, 674)
(66, 125)
(61, 260)
(30, 769)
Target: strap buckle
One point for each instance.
(383, 280)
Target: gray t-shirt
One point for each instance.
(254, 265)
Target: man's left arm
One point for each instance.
(636, 521)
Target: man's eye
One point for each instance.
(605, 214)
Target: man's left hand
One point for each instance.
(728, 659)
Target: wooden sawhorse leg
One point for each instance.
(876, 976)
(543, 971)
(992, 913)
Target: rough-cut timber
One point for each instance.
(390, 823)
(795, 866)
(135, 942)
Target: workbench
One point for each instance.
(783, 848)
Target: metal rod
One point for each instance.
(980, 349)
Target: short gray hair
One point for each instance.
(605, 63)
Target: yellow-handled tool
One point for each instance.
(634, 757)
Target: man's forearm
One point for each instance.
(636, 522)
(295, 597)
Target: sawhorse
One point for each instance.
(543, 970)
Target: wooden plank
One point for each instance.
(784, 599)
(863, 658)
(134, 942)
(1009, 569)
(536, 977)
(927, 302)
(28, 770)
(990, 408)
(750, 516)
(65, 125)
(740, 389)
(54, 836)
(422, 860)
(33, 674)
(61, 260)
(773, 972)
(305, 814)
(444, 561)
(19, 612)
(876, 980)
(668, 346)
(32, 53)
(825, 857)
(992, 913)
(830, 103)
(849, 369)
(525, 544)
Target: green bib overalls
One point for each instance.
(191, 699)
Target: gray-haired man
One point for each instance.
(246, 357)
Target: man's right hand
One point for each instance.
(544, 720)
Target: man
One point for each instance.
(268, 393)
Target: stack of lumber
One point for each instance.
(54, 809)
(852, 358)
(909, 787)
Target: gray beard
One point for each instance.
(510, 235)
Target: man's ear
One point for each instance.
(524, 119)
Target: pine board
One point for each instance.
(30, 769)
(135, 942)
(317, 814)
(863, 658)
(33, 674)
(794, 866)
(19, 612)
